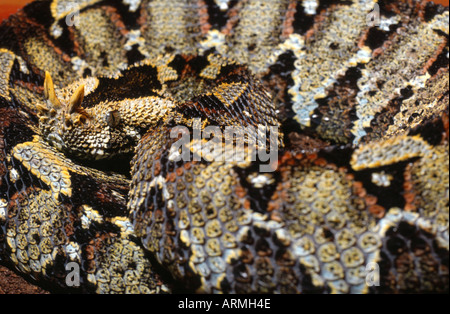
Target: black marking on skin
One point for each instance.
(432, 131)
(198, 63)
(86, 190)
(178, 64)
(87, 72)
(40, 12)
(133, 83)
(391, 196)
(431, 10)
(134, 55)
(376, 37)
(326, 4)
(95, 229)
(259, 197)
(231, 73)
(327, 108)
(282, 68)
(104, 56)
(65, 41)
(338, 155)
(117, 164)
(387, 8)
(25, 179)
(32, 78)
(404, 240)
(217, 18)
(442, 61)
(302, 21)
(128, 18)
(385, 116)
(17, 132)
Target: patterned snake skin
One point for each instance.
(352, 95)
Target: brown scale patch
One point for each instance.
(233, 19)
(11, 283)
(116, 19)
(289, 20)
(205, 26)
(411, 262)
(408, 187)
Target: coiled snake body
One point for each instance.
(339, 109)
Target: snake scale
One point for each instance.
(349, 99)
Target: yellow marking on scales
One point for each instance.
(391, 151)
(229, 93)
(7, 59)
(44, 164)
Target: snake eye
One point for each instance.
(112, 118)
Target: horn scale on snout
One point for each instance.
(49, 91)
(76, 100)
(74, 104)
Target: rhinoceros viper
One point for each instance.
(339, 110)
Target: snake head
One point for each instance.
(69, 127)
(56, 118)
(90, 130)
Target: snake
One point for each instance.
(226, 146)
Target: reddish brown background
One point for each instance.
(9, 281)
(8, 7)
